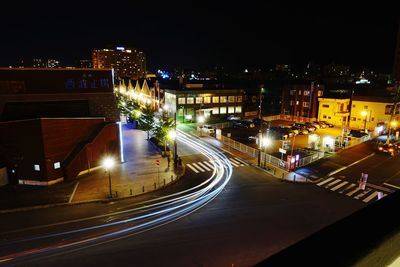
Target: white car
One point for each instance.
(207, 129)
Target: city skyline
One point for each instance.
(203, 36)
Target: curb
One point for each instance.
(45, 206)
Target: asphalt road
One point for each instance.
(254, 217)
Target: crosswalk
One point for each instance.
(207, 166)
(370, 193)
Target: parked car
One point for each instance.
(299, 130)
(357, 133)
(207, 129)
(233, 117)
(312, 126)
(303, 126)
(330, 125)
(321, 124)
(242, 124)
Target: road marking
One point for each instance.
(352, 192)
(325, 181)
(209, 164)
(354, 163)
(366, 191)
(198, 167)
(237, 162)
(193, 169)
(4, 260)
(204, 166)
(73, 192)
(333, 183)
(234, 164)
(392, 185)
(241, 161)
(339, 186)
(350, 186)
(369, 198)
(379, 188)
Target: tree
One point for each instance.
(128, 107)
(146, 120)
(163, 127)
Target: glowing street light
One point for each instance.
(364, 114)
(172, 134)
(201, 119)
(108, 164)
(393, 124)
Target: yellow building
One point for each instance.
(370, 112)
(335, 111)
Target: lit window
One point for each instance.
(57, 165)
(231, 99)
(297, 102)
(238, 109)
(36, 167)
(306, 104)
(239, 98)
(190, 100)
(306, 92)
(223, 99)
(199, 100)
(215, 99)
(222, 110)
(291, 102)
(231, 110)
(181, 100)
(207, 99)
(215, 110)
(320, 93)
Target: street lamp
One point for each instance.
(364, 114)
(266, 142)
(108, 164)
(259, 111)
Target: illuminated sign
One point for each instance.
(120, 48)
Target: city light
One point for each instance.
(201, 119)
(266, 142)
(172, 134)
(393, 123)
(108, 163)
(364, 113)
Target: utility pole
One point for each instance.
(259, 108)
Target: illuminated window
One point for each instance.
(36, 167)
(306, 104)
(239, 98)
(181, 100)
(215, 99)
(238, 109)
(292, 92)
(297, 102)
(199, 100)
(190, 100)
(57, 165)
(231, 99)
(231, 110)
(207, 99)
(306, 92)
(222, 110)
(223, 99)
(320, 93)
(215, 110)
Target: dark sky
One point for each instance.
(235, 35)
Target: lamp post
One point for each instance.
(175, 144)
(259, 108)
(108, 163)
(266, 141)
(364, 114)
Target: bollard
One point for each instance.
(143, 189)
(164, 181)
(131, 191)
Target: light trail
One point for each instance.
(154, 213)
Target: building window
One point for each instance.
(36, 167)
(215, 99)
(291, 102)
(181, 100)
(306, 92)
(222, 110)
(365, 107)
(324, 117)
(57, 165)
(292, 92)
(238, 109)
(299, 92)
(329, 118)
(223, 99)
(199, 100)
(207, 99)
(297, 102)
(353, 118)
(354, 106)
(231, 99)
(231, 110)
(215, 110)
(325, 106)
(306, 104)
(372, 119)
(320, 93)
(190, 100)
(388, 109)
(239, 98)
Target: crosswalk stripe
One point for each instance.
(391, 185)
(370, 197)
(366, 191)
(204, 166)
(198, 167)
(339, 186)
(237, 162)
(241, 161)
(347, 188)
(208, 164)
(333, 183)
(352, 192)
(234, 164)
(190, 166)
(326, 181)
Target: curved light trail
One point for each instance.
(122, 224)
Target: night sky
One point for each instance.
(235, 35)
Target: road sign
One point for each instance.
(157, 162)
(282, 150)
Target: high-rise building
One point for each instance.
(126, 62)
(85, 63)
(39, 63)
(396, 68)
(53, 63)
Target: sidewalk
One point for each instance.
(137, 175)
